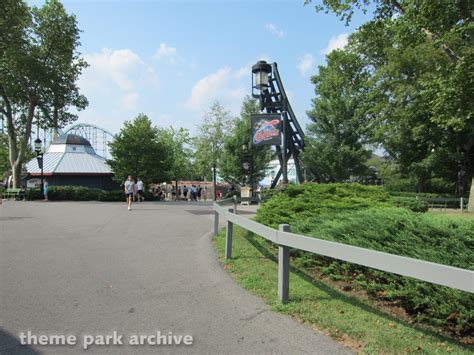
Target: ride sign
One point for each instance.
(266, 129)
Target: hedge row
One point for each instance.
(80, 193)
(367, 217)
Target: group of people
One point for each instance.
(194, 193)
(133, 190)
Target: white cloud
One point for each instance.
(336, 42)
(306, 64)
(225, 85)
(272, 28)
(170, 54)
(130, 101)
(115, 68)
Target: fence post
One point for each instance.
(228, 237)
(216, 223)
(235, 204)
(283, 268)
(462, 204)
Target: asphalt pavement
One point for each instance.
(89, 269)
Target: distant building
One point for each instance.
(71, 160)
(272, 169)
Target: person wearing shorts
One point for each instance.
(139, 189)
(129, 186)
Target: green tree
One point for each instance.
(209, 143)
(141, 150)
(39, 67)
(233, 156)
(336, 137)
(4, 165)
(419, 103)
(179, 142)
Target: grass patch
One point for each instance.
(453, 214)
(351, 320)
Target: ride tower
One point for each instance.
(267, 87)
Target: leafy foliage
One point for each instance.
(141, 150)
(300, 202)
(231, 164)
(39, 67)
(80, 193)
(411, 89)
(366, 217)
(209, 143)
(336, 145)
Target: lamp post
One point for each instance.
(39, 157)
(264, 79)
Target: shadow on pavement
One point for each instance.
(10, 345)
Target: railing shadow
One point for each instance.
(10, 345)
(333, 293)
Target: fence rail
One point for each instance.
(439, 274)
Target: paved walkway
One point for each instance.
(88, 268)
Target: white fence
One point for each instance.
(439, 274)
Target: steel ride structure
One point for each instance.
(268, 88)
(98, 137)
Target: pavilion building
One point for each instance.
(71, 160)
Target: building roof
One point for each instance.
(70, 154)
(71, 139)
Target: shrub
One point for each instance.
(368, 217)
(413, 204)
(405, 185)
(76, 193)
(401, 232)
(308, 200)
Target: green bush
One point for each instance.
(405, 185)
(76, 193)
(300, 202)
(112, 196)
(33, 194)
(410, 203)
(368, 217)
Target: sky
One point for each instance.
(172, 59)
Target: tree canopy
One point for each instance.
(142, 150)
(233, 156)
(414, 97)
(39, 68)
(209, 142)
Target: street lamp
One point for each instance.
(261, 72)
(39, 157)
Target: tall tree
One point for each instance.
(209, 142)
(179, 142)
(337, 135)
(39, 67)
(233, 155)
(419, 103)
(141, 150)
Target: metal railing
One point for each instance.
(439, 274)
(441, 202)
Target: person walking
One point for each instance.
(45, 189)
(199, 192)
(185, 193)
(129, 186)
(139, 189)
